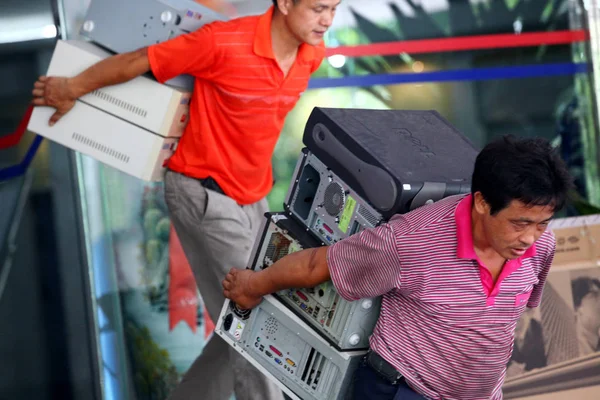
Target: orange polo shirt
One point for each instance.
(239, 104)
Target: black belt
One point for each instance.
(211, 184)
(207, 182)
(383, 368)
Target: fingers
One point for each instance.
(231, 274)
(55, 117)
(39, 101)
(228, 281)
(38, 93)
(43, 78)
(226, 284)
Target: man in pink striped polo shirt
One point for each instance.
(455, 277)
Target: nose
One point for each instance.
(528, 237)
(327, 19)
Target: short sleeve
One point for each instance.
(536, 294)
(191, 53)
(365, 264)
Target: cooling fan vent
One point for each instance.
(335, 199)
(243, 314)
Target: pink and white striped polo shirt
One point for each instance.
(444, 324)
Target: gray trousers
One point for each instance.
(216, 234)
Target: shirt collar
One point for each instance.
(263, 45)
(464, 233)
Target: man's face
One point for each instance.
(588, 312)
(308, 20)
(515, 228)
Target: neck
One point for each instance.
(285, 44)
(480, 241)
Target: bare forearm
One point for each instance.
(117, 69)
(303, 269)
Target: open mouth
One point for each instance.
(519, 251)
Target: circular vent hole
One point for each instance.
(241, 313)
(335, 199)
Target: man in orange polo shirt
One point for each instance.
(249, 74)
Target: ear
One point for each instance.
(481, 206)
(285, 6)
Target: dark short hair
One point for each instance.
(581, 287)
(528, 170)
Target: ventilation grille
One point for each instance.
(100, 147)
(318, 373)
(341, 313)
(366, 214)
(279, 246)
(335, 198)
(331, 312)
(271, 326)
(120, 103)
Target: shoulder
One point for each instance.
(233, 36)
(543, 257)
(240, 24)
(548, 239)
(546, 245)
(430, 217)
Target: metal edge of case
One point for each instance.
(271, 306)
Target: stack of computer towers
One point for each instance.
(357, 170)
